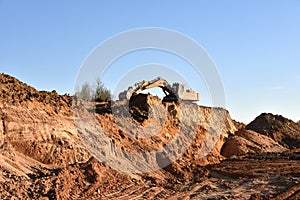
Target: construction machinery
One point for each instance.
(174, 93)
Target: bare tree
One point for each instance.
(85, 92)
(97, 93)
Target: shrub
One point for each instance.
(102, 94)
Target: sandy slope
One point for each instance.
(43, 156)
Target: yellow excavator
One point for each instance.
(174, 93)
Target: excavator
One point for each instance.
(173, 94)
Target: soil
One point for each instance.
(43, 154)
(246, 141)
(284, 131)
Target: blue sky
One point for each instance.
(255, 45)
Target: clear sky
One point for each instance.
(255, 45)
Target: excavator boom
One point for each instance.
(177, 91)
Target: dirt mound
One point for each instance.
(14, 92)
(246, 141)
(40, 144)
(43, 154)
(182, 132)
(282, 130)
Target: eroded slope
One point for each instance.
(42, 154)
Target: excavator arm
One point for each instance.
(158, 82)
(174, 93)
